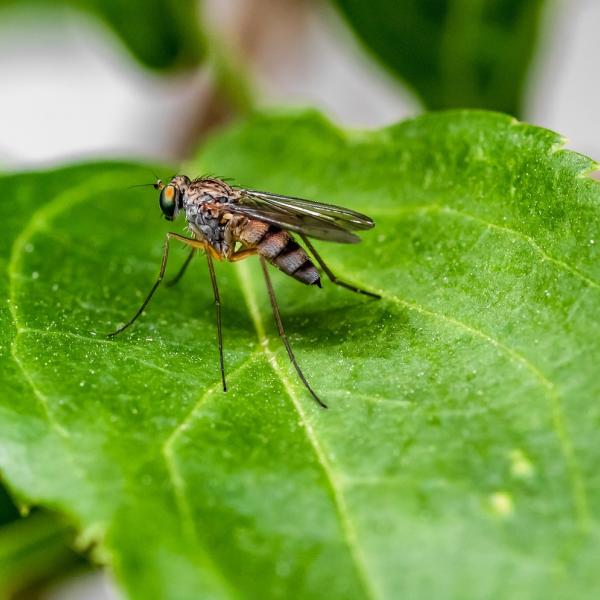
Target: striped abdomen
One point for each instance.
(280, 249)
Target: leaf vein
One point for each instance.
(449, 211)
(334, 480)
(527, 238)
(177, 481)
(578, 488)
(182, 426)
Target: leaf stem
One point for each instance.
(34, 550)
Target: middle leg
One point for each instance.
(163, 266)
(183, 269)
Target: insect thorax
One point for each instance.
(205, 201)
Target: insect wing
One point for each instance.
(349, 219)
(314, 219)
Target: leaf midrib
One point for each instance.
(348, 529)
(576, 480)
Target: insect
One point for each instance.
(231, 223)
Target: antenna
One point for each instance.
(140, 185)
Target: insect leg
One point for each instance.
(213, 280)
(333, 278)
(282, 334)
(183, 269)
(163, 266)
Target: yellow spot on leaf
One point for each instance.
(501, 504)
(520, 466)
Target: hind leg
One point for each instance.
(332, 277)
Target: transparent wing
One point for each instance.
(314, 219)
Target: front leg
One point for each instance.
(161, 274)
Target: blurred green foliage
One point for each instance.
(161, 34)
(454, 53)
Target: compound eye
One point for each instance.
(168, 201)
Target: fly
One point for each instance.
(231, 223)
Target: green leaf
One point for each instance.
(459, 454)
(161, 34)
(454, 53)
